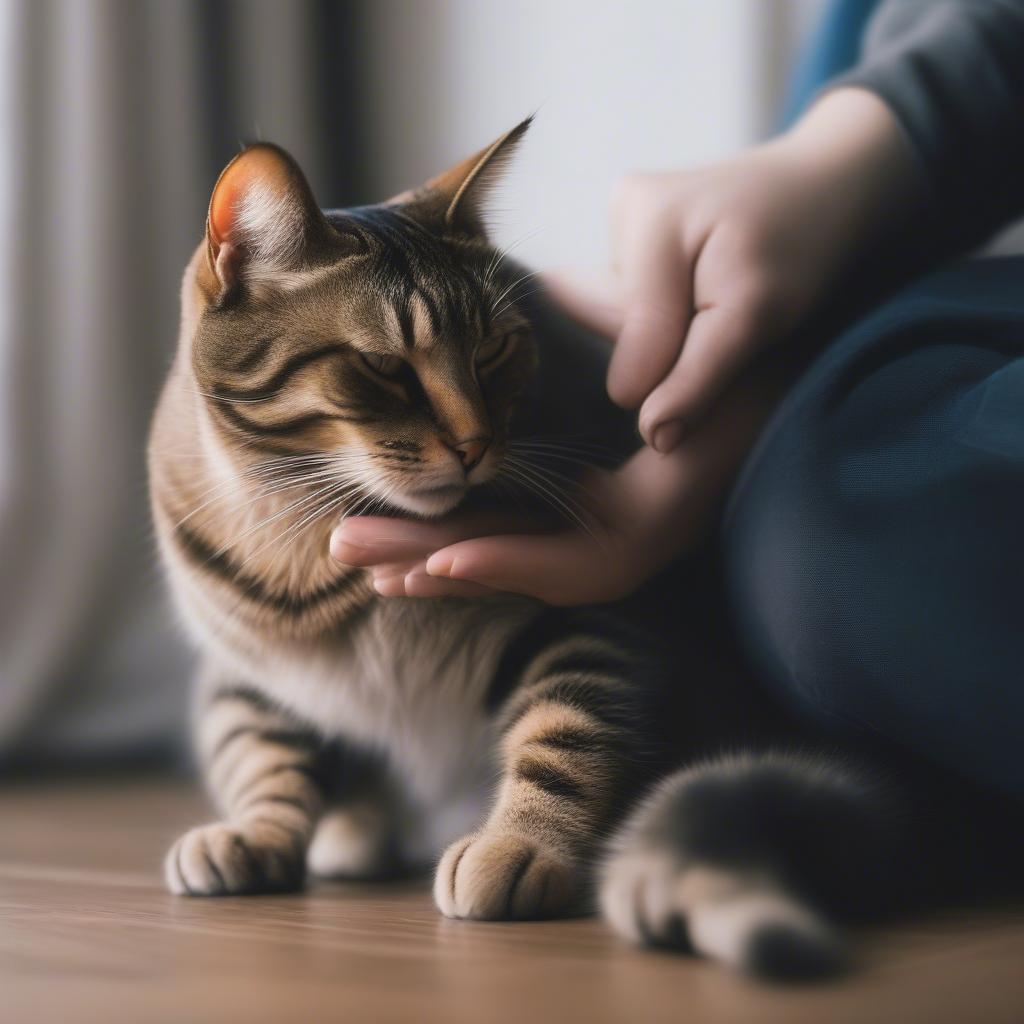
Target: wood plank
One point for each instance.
(87, 933)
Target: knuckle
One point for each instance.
(759, 303)
(742, 241)
(636, 192)
(756, 298)
(662, 313)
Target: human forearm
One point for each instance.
(869, 182)
(745, 250)
(684, 491)
(952, 73)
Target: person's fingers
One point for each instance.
(591, 299)
(419, 584)
(717, 346)
(387, 570)
(366, 542)
(560, 569)
(389, 580)
(373, 540)
(656, 283)
(411, 580)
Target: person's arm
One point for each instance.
(740, 252)
(719, 263)
(952, 73)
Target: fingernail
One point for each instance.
(389, 586)
(667, 436)
(411, 579)
(440, 565)
(340, 539)
(343, 536)
(337, 549)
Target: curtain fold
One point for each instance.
(117, 117)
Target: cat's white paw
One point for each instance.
(223, 860)
(499, 876)
(639, 895)
(356, 841)
(742, 919)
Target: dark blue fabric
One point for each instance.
(874, 543)
(832, 49)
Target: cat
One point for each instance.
(389, 358)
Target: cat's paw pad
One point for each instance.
(639, 896)
(222, 860)
(498, 876)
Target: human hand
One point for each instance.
(637, 526)
(712, 266)
(715, 264)
(644, 514)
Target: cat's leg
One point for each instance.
(749, 859)
(359, 832)
(354, 840)
(261, 768)
(570, 737)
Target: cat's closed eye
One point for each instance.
(491, 351)
(385, 365)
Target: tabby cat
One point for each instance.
(389, 359)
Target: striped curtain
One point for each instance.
(115, 116)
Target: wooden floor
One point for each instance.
(87, 933)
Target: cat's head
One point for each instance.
(386, 339)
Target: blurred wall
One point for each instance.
(616, 86)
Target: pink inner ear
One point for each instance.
(259, 163)
(223, 206)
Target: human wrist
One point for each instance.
(685, 488)
(852, 145)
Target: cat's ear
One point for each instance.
(454, 200)
(262, 218)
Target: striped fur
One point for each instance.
(572, 733)
(748, 859)
(330, 364)
(261, 767)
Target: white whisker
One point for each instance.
(234, 401)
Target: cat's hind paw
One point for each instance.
(500, 876)
(224, 860)
(640, 901)
(745, 921)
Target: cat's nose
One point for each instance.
(471, 451)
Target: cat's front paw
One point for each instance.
(499, 876)
(225, 860)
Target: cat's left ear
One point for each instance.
(263, 220)
(453, 201)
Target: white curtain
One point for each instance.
(114, 116)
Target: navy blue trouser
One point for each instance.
(874, 542)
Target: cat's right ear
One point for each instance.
(261, 222)
(453, 201)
